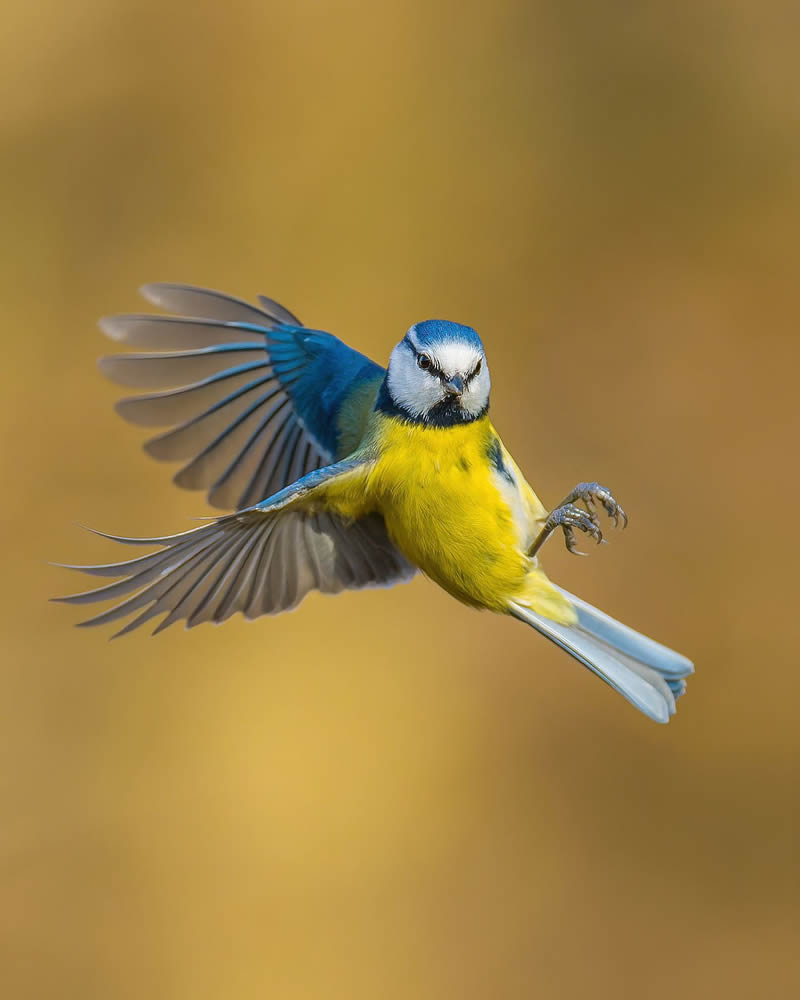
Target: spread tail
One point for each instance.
(649, 675)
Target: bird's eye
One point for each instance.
(477, 369)
(423, 361)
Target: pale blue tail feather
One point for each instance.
(649, 675)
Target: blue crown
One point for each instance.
(433, 332)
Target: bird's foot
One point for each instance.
(593, 493)
(570, 517)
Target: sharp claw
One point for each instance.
(570, 517)
(593, 493)
(593, 528)
(610, 507)
(573, 550)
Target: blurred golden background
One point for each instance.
(386, 794)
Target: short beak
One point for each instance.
(454, 386)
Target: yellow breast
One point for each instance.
(446, 511)
(456, 506)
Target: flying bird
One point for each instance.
(343, 475)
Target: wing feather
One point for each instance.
(179, 406)
(215, 368)
(176, 333)
(165, 369)
(193, 301)
(260, 561)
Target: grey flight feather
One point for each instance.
(222, 388)
(260, 561)
(256, 563)
(210, 304)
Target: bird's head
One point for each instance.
(438, 374)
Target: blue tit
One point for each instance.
(344, 475)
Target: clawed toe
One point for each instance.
(592, 493)
(571, 518)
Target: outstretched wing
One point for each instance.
(253, 399)
(259, 561)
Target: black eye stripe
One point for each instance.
(475, 370)
(432, 368)
(427, 364)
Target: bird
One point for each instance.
(339, 474)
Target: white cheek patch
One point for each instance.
(476, 395)
(410, 387)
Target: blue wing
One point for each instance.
(253, 399)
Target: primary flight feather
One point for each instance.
(345, 475)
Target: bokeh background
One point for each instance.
(386, 794)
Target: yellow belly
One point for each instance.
(450, 512)
(443, 509)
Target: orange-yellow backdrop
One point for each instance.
(388, 795)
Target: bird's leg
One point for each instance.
(568, 516)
